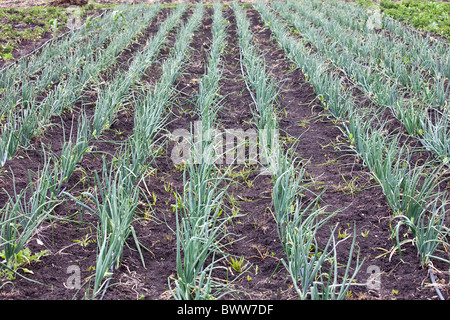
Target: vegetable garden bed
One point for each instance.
(119, 207)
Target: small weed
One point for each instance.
(348, 187)
(21, 259)
(238, 264)
(342, 233)
(85, 241)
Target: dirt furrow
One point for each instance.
(253, 230)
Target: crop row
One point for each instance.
(118, 202)
(200, 228)
(298, 221)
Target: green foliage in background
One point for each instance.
(430, 16)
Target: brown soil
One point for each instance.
(265, 277)
(67, 3)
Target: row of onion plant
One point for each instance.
(201, 221)
(297, 222)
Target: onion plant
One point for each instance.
(17, 132)
(288, 183)
(435, 135)
(414, 56)
(408, 189)
(58, 60)
(200, 231)
(306, 262)
(115, 206)
(412, 117)
(24, 212)
(149, 120)
(429, 231)
(108, 102)
(333, 285)
(73, 150)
